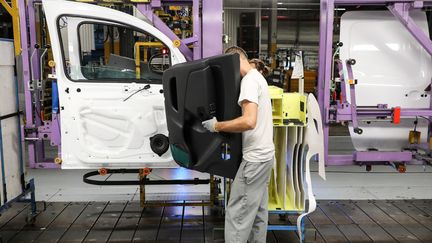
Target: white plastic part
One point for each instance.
(297, 168)
(313, 145)
(290, 183)
(279, 170)
(391, 68)
(98, 127)
(298, 72)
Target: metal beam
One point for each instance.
(401, 12)
(6, 6)
(159, 24)
(325, 64)
(272, 34)
(22, 7)
(13, 11)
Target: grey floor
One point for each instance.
(353, 206)
(333, 221)
(343, 182)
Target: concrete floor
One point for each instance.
(343, 182)
(349, 182)
(332, 222)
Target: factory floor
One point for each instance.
(333, 221)
(353, 206)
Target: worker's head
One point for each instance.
(244, 63)
(259, 65)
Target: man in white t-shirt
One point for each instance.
(247, 211)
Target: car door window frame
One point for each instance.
(108, 23)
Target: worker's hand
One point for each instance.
(210, 124)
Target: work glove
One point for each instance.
(210, 124)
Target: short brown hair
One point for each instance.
(238, 50)
(260, 66)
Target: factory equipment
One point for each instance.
(298, 136)
(104, 122)
(380, 88)
(14, 186)
(97, 98)
(105, 52)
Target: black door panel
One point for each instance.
(197, 91)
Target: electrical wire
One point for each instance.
(426, 118)
(38, 112)
(136, 92)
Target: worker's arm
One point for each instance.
(243, 123)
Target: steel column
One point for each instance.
(212, 27)
(196, 26)
(325, 64)
(26, 77)
(35, 66)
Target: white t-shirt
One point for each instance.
(257, 143)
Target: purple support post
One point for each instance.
(353, 96)
(212, 28)
(325, 59)
(342, 81)
(197, 50)
(156, 3)
(34, 63)
(401, 12)
(22, 8)
(160, 25)
(55, 130)
(35, 66)
(321, 54)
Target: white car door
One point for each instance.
(111, 108)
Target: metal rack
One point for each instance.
(288, 227)
(19, 189)
(400, 9)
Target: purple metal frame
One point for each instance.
(400, 9)
(27, 19)
(207, 30)
(206, 40)
(212, 29)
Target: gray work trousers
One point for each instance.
(246, 215)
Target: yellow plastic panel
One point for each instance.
(294, 109)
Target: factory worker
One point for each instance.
(259, 65)
(247, 211)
